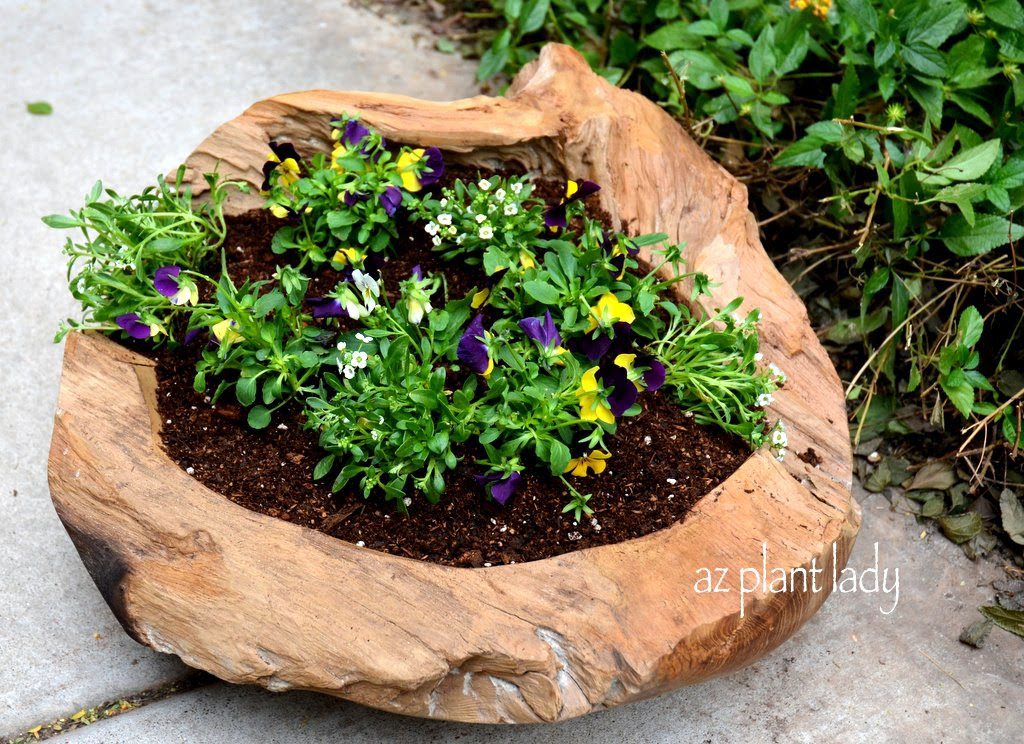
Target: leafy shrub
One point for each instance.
(883, 138)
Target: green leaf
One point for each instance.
(323, 467)
(1007, 13)
(39, 108)
(959, 391)
(532, 16)
(804, 152)
(989, 231)
(542, 292)
(936, 25)
(970, 327)
(968, 165)
(268, 303)
(245, 390)
(671, 36)
(925, 60)
(60, 221)
(961, 527)
(862, 12)
(1011, 620)
(259, 417)
(558, 457)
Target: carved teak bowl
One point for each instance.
(253, 599)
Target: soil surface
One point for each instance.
(662, 462)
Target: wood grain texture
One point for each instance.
(252, 599)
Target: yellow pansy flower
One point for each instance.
(345, 256)
(596, 461)
(225, 332)
(593, 406)
(407, 168)
(608, 311)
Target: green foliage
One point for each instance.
(532, 370)
(338, 201)
(268, 350)
(125, 239)
(910, 110)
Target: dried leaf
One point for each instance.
(936, 475)
(976, 633)
(1012, 512)
(960, 527)
(879, 480)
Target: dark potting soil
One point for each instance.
(662, 462)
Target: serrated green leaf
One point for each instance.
(988, 232)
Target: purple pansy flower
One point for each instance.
(472, 349)
(501, 487)
(391, 199)
(191, 335)
(351, 199)
(654, 377)
(555, 217)
(417, 273)
(166, 280)
(542, 330)
(623, 392)
(595, 348)
(433, 168)
(325, 307)
(354, 133)
(130, 324)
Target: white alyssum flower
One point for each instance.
(481, 217)
(486, 232)
(758, 357)
(359, 359)
(363, 337)
(779, 374)
(444, 202)
(516, 187)
(349, 371)
(779, 437)
(484, 184)
(511, 210)
(436, 241)
(444, 219)
(431, 228)
(765, 399)
(374, 435)
(342, 345)
(500, 194)
(453, 230)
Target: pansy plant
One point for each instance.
(342, 207)
(573, 327)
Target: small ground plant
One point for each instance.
(566, 334)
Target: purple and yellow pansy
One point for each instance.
(473, 350)
(556, 217)
(133, 325)
(420, 167)
(284, 159)
(180, 291)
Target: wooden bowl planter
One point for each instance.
(253, 599)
